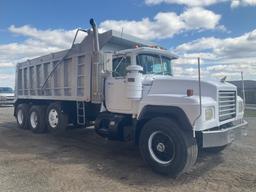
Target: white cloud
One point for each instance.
(200, 18)
(191, 3)
(237, 3)
(218, 70)
(233, 70)
(7, 79)
(38, 42)
(166, 24)
(57, 37)
(228, 56)
(203, 3)
(243, 46)
(142, 29)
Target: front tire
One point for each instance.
(166, 147)
(22, 115)
(56, 119)
(36, 119)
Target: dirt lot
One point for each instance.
(82, 161)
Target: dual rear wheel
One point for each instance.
(36, 119)
(40, 118)
(22, 116)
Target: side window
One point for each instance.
(167, 69)
(119, 66)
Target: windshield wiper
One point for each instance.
(163, 73)
(167, 73)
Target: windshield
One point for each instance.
(6, 90)
(154, 64)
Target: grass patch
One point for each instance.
(250, 113)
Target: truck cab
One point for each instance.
(159, 87)
(151, 62)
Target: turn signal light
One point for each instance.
(190, 92)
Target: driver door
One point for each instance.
(116, 99)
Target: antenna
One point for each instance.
(199, 84)
(122, 33)
(242, 77)
(200, 94)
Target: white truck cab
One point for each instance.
(159, 87)
(129, 93)
(146, 63)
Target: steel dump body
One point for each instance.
(72, 79)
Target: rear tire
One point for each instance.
(166, 147)
(56, 119)
(22, 115)
(36, 119)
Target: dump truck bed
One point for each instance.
(71, 80)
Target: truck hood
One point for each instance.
(179, 86)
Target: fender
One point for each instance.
(151, 111)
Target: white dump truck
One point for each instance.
(125, 88)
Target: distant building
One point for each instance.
(250, 90)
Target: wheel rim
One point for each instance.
(53, 118)
(33, 119)
(20, 116)
(161, 147)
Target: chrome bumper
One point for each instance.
(218, 138)
(6, 102)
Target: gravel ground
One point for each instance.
(83, 161)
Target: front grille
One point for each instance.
(227, 105)
(9, 98)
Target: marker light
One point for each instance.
(190, 92)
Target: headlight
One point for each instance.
(241, 106)
(209, 113)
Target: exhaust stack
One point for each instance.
(96, 35)
(97, 67)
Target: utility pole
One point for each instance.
(242, 76)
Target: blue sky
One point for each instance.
(66, 14)
(216, 30)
